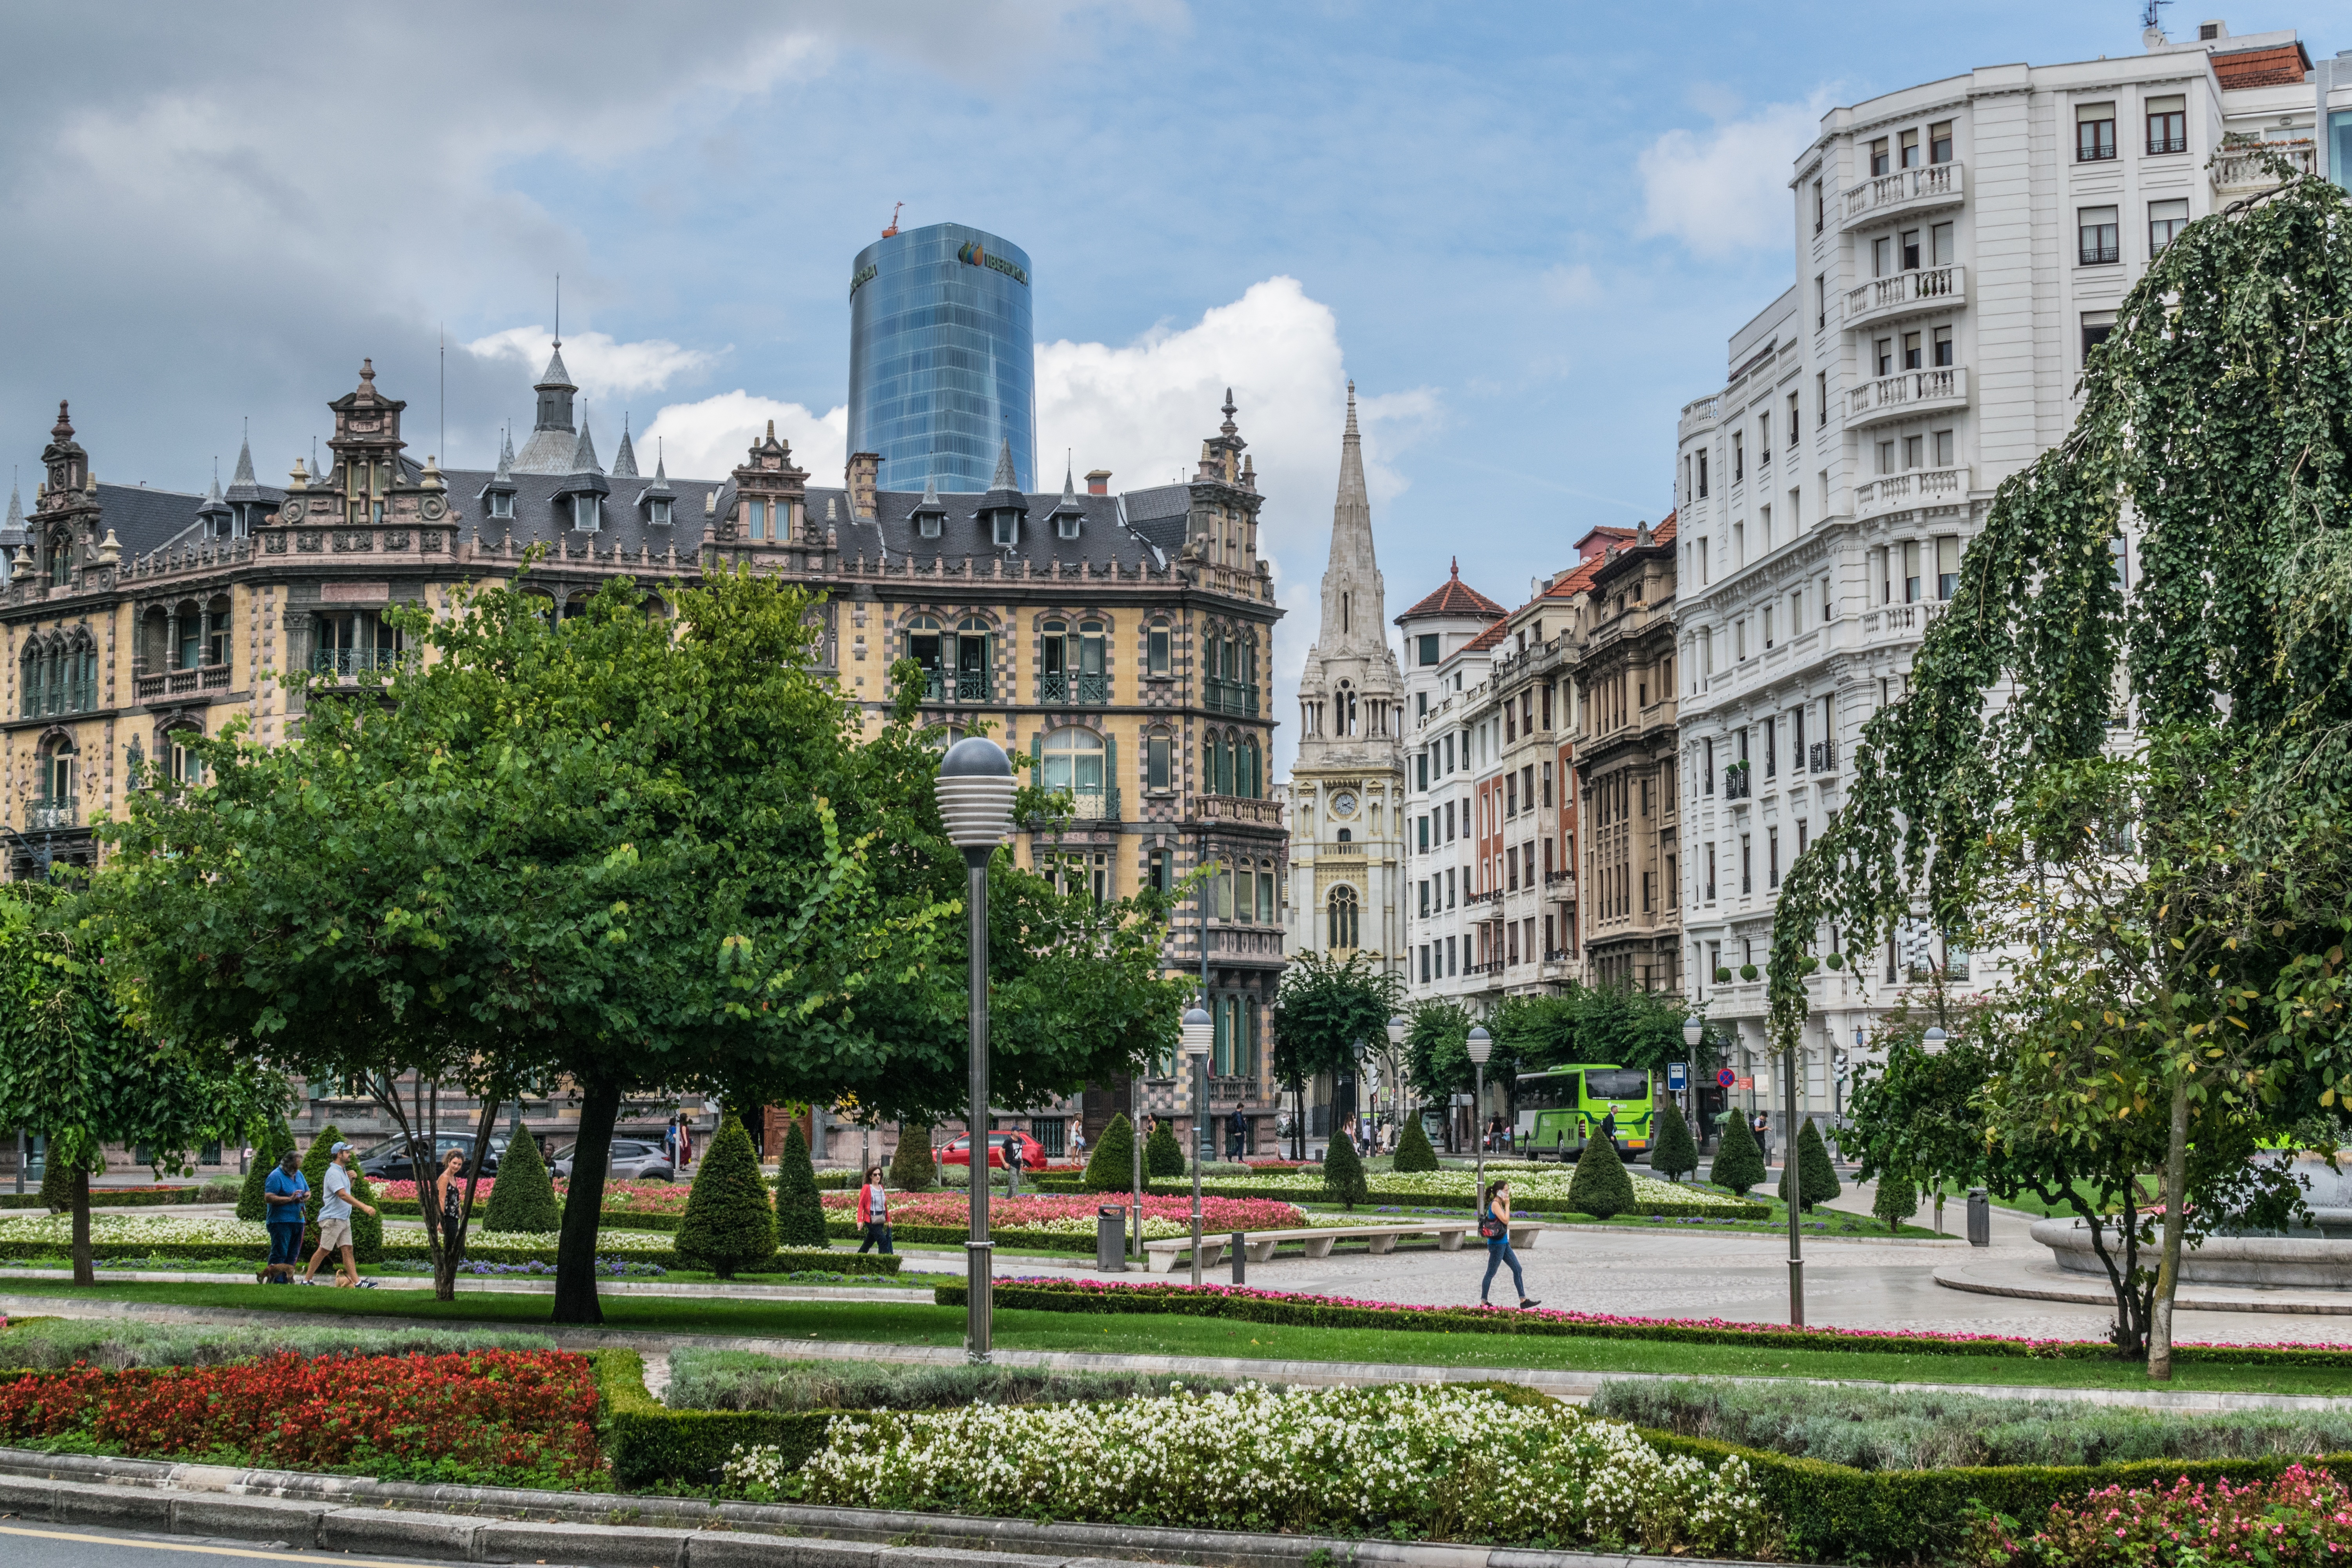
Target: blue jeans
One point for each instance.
(285, 1244)
(1498, 1252)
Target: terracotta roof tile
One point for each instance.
(1664, 533)
(2281, 64)
(1456, 598)
(1483, 640)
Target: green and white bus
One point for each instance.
(1562, 1108)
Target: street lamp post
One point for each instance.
(1481, 1045)
(1934, 1041)
(1200, 1033)
(1397, 1027)
(974, 789)
(1694, 1031)
(1792, 1178)
(1356, 1099)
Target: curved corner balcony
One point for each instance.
(1915, 487)
(1915, 292)
(1902, 193)
(1911, 393)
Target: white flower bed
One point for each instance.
(144, 1233)
(607, 1241)
(1434, 1463)
(1549, 1183)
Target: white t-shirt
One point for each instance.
(338, 1203)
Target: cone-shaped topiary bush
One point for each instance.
(523, 1197)
(1738, 1163)
(1111, 1167)
(367, 1229)
(1412, 1149)
(800, 1213)
(911, 1170)
(1817, 1178)
(1343, 1174)
(1601, 1187)
(1896, 1201)
(265, 1154)
(1163, 1156)
(729, 1224)
(1671, 1154)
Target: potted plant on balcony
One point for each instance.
(1746, 971)
(1723, 974)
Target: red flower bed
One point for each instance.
(2305, 1516)
(529, 1410)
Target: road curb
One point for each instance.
(486, 1524)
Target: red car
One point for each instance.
(958, 1150)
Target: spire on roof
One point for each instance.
(16, 523)
(1353, 594)
(1005, 479)
(584, 455)
(931, 501)
(1229, 427)
(555, 375)
(244, 475)
(661, 474)
(506, 457)
(624, 461)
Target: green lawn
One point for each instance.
(1955, 1202)
(918, 1322)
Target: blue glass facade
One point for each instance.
(942, 360)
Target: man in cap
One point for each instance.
(335, 1222)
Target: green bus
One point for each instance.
(1561, 1108)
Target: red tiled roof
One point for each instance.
(1483, 640)
(1456, 598)
(1664, 533)
(1569, 584)
(2281, 64)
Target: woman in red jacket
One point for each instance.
(874, 1211)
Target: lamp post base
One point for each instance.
(980, 1282)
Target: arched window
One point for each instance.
(216, 630)
(60, 556)
(59, 773)
(351, 642)
(1054, 662)
(28, 682)
(180, 763)
(972, 684)
(923, 648)
(1094, 676)
(189, 651)
(1072, 759)
(1341, 909)
(84, 673)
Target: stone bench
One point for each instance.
(1319, 1240)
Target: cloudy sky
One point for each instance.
(1525, 230)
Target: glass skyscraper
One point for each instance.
(942, 362)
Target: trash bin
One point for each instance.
(1241, 1255)
(1110, 1239)
(1979, 1219)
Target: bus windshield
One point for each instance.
(1617, 1083)
(1548, 1092)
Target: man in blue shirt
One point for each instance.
(284, 1194)
(335, 1224)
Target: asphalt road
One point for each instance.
(46, 1546)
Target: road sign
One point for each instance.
(1677, 1076)
(1725, 1078)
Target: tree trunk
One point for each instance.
(584, 1203)
(2176, 1220)
(85, 1272)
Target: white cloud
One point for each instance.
(705, 440)
(1725, 190)
(603, 367)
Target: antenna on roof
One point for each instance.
(892, 232)
(444, 330)
(558, 310)
(2151, 14)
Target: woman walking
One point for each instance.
(449, 1195)
(1495, 1227)
(874, 1211)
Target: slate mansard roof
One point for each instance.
(1105, 532)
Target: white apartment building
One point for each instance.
(1959, 247)
(1449, 645)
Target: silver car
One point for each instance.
(632, 1161)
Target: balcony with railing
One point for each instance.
(1242, 810)
(41, 815)
(344, 663)
(2243, 168)
(1904, 191)
(1917, 487)
(1821, 758)
(1737, 782)
(1903, 620)
(1906, 293)
(1236, 697)
(1699, 413)
(177, 682)
(1092, 690)
(1911, 391)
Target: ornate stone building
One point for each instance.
(1119, 641)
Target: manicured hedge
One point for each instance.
(135, 1198)
(787, 1262)
(649, 1443)
(1250, 1305)
(1526, 1206)
(1838, 1514)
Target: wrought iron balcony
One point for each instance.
(973, 686)
(1823, 757)
(1229, 697)
(340, 662)
(1735, 784)
(1090, 690)
(41, 814)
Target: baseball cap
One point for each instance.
(337, 1149)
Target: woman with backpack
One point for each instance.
(1495, 1229)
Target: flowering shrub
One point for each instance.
(521, 1410)
(151, 1231)
(1545, 1185)
(618, 1268)
(412, 1235)
(631, 1197)
(1074, 1214)
(2303, 1517)
(1434, 1463)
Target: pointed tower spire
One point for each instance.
(505, 476)
(624, 461)
(1353, 596)
(661, 472)
(1005, 479)
(244, 475)
(583, 454)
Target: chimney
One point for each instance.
(863, 469)
(1098, 481)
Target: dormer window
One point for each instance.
(501, 504)
(928, 525)
(1066, 526)
(755, 519)
(587, 513)
(661, 510)
(1008, 529)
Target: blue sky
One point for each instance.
(1524, 230)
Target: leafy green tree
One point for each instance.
(912, 1170)
(73, 1066)
(1343, 1174)
(1163, 1156)
(1412, 1149)
(799, 1212)
(1895, 1201)
(1111, 1167)
(1673, 1154)
(1816, 1178)
(523, 1197)
(1325, 1007)
(1601, 1187)
(728, 1223)
(1617, 1026)
(1738, 1163)
(268, 1151)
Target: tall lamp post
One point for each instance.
(1935, 1041)
(1481, 1045)
(1792, 1178)
(1694, 1031)
(1397, 1027)
(1356, 1099)
(1200, 1033)
(974, 789)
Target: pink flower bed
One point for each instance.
(1061, 1211)
(633, 1198)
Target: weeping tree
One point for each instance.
(2180, 564)
(1326, 1007)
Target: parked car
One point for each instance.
(389, 1161)
(631, 1160)
(958, 1150)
